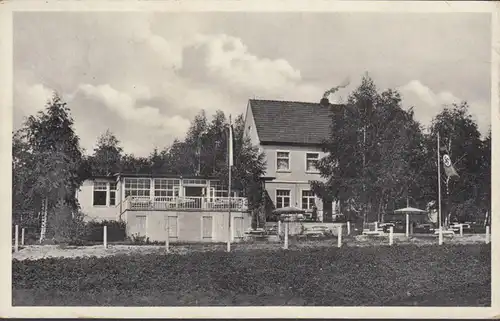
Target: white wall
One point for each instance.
(297, 172)
(100, 212)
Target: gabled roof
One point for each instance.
(291, 122)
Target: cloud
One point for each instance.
(226, 59)
(32, 98)
(145, 75)
(426, 95)
(428, 104)
(125, 105)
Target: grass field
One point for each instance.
(448, 275)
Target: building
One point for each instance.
(193, 208)
(291, 135)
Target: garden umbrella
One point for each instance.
(408, 211)
(289, 210)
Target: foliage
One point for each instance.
(361, 276)
(471, 157)
(116, 231)
(373, 153)
(64, 224)
(107, 155)
(47, 162)
(380, 158)
(139, 239)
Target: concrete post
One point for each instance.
(286, 236)
(487, 234)
(391, 235)
(407, 224)
(461, 230)
(339, 237)
(22, 236)
(16, 241)
(348, 228)
(167, 239)
(440, 235)
(105, 236)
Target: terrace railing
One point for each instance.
(237, 204)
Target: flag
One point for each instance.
(231, 160)
(448, 166)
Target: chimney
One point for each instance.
(324, 102)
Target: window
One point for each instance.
(282, 198)
(194, 182)
(100, 193)
(112, 194)
(311, 160)
(283, 161)
(217, 189)
(137, 187)
(166, 187)
(307, 200)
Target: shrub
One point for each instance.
(64, 225)
(116, 231)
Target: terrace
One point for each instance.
(174, 194)
(185, 203)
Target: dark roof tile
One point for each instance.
(291, 122)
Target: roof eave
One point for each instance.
(278, 143)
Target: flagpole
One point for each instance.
(439, 182)
(230, 162)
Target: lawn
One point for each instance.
(448, 275)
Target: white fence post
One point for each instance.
(105, 236)
(461, 230)
(22, 236)
(407, 225)
(348, 228)
(391, 235)
(487, 234)
(376, 226)
(440, 235)
(286, 236)
(167, 238)
(16, 241)
(339, 237)
(279, 227)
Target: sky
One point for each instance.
(144, 76)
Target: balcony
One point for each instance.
(144, 203)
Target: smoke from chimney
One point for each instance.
(329, 92)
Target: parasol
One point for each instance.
(289, 210)
(408, 211)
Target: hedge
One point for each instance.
(444, 275)
(94, 231)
